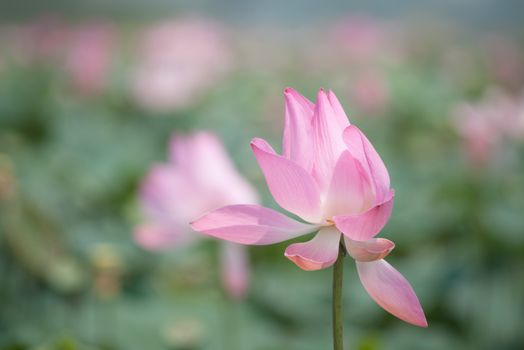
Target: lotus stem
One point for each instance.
(338, 270)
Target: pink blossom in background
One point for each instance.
(370, 91)
(88, 56)
(198, 177)
(234, 269)
(362, 38)
(485, 124)
(41, 40)
(330, 176)
(518, 128)
(504, 60)
(178, 61)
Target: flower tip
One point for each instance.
(258, 144)
(291, 95)
(422, 322)
(194, 224)
(419, 319)
(255, 142)
(332, 95)
(321, 96)
(289, 90)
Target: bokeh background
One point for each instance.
(91, 91)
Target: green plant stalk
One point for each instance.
(338, 270)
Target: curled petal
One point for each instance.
(318, 253)
(234, 269)
(350, 191)
(291, 186)
(296, 144)
(391, 291)
(250, 224)
(366, 225)
(370, 250)
(328, 127)
(360, 147)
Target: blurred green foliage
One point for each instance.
(71, 277)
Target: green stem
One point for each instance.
(338, 269)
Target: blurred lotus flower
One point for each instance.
(362, 38)
(40, 40)
(483, 125)
(179, 60)
(504, 60)
(199, 177)
(330, 176)
(89, 55)
(370, 91)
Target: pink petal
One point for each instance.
(337, 108)
(203, 159)
(180, 151)
(234, 269)
(162, 191)
(157, 237)
(370, 250)
(350, 191)
(391, 291)
(328, 144)
(291, 186)
(318, 253)
(297, 129)
(363, 150)
(250, 224)
(366, 225)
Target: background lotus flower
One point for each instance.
(40, 40)
(483, 125)
(330, 176)
(370, 91)
(89, 56)
(178, 61)
(504, 60)
(361, 36)
(199, 177)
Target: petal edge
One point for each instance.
(292, 187)
(318, 253)
(250, 224)
(391, 291)
(366, 225)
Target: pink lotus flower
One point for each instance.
(199, 177)
(330, 176)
